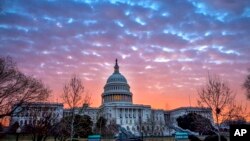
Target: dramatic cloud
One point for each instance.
(165, 48)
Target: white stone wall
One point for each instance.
(132, 117)
(31, 113)
(205, 112)
(92, 112)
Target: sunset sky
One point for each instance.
(164, 48)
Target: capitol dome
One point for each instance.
(116, 77)
(116, 89)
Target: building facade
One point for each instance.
(32, 113)
(117, 105)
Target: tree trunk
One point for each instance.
(72, 125)
(45, 137)
(218, 126)
(17, 136)
(34, 137)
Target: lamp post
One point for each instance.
(18, 131)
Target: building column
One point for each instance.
(132, 114)
(122, 112)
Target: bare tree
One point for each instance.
(62, 131)
(246, 85)
(42, 124)
(112, 128)
(235, 112)
(17, 89)
(217, 95)
(75, 97)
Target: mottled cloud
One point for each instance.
(168, 45)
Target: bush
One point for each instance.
(196, 123)
(214, 138)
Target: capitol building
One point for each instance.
(117, 106)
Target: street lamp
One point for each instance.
(18, 131)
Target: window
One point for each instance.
(128, 128)
(21, 123)
(133, 128)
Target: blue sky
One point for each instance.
(169, 45)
